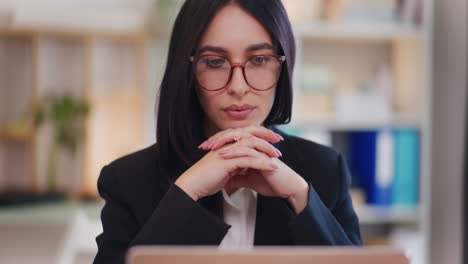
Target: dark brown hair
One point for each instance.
(180, 115)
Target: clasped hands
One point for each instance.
(244, 157)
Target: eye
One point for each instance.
(260, 60)
(214, 62)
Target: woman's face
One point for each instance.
(236, 35)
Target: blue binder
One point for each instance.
(365, 146)
(406, 181)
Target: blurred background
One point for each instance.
(382, 81)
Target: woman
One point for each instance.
(220, 172)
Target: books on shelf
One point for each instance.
(385, 164)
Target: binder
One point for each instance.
(384, 167)
(407, 155)
(372, 156)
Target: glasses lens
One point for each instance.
(262, 72)
(212, 72)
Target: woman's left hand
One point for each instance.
(283, 182)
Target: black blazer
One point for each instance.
(140, 209)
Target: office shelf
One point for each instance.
(373, 215)
(356, 31)
(107, 68)
(330, 122)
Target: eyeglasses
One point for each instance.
(214, 72)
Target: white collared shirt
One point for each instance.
(240, 210)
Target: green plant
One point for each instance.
(65, 114)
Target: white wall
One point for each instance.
(449, 99)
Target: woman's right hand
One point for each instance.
(212, 172)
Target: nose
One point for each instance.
(238, 85)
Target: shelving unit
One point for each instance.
(374, 215)
(117, 92)
(355, 31)
(108, 68)
(348, 53)
(105, 68)
(329, 122)
(18, 89)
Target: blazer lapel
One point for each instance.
(273, 214)
(271, 224)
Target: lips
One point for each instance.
(235, 107)
(239, 111)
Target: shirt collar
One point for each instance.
(238, 198)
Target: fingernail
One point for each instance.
(274, 166)
(280, 137)
(279, 152)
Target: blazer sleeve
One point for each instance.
(177, 220)
(319, 225)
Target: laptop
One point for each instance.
(264, 255)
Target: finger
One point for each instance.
(252, 163)
(265, 133)
(228, 136)
(241, 151)
(203, 144)
(206, 145)
(255, 144)
(262, 146)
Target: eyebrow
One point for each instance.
(254, 47)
